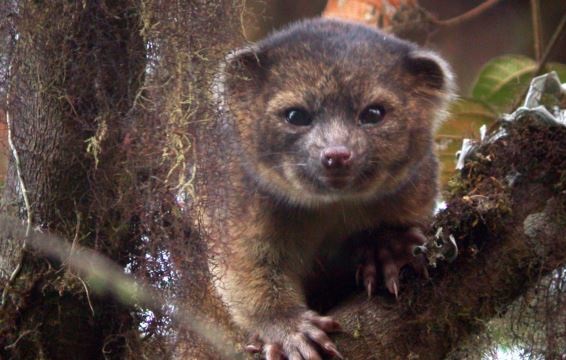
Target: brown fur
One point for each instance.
(268, 212)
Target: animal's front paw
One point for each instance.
(303, 336)
(390, 251)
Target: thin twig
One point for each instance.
(111, 279)
(72, 251)
(242, 19)
(22, 335)
(551, 45)
(537, 28)
(77, 233)
(467, 15)
(546, 55)
(87, 294)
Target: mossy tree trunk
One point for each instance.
(100, 96)
(76, 68)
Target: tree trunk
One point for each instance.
(75, 69)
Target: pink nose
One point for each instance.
(334, 157)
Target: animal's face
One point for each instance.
(329, 111)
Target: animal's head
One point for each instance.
(328, 111)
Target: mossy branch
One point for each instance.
(506, 214)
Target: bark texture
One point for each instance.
(75, 70)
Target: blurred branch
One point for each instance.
(545, 56)
(537, 28)
(405, 18)
(551, 45)
(478, 10)
(104, 276)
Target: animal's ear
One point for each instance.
(244, 69)
(432, 73)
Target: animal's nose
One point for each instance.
(335, 157)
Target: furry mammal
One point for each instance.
(326, 130)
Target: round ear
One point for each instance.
(244, 67)
(239, 77)
(430, 70)
(246, 56)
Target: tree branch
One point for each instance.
(537, 28)
(509, 236)
(478, 10)
(551, 45)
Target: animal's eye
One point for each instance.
(298, 117)
(373, 114)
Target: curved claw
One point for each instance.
(393, 249)
(367, 271)
(391, 276)
(395, 290)
(419, 250)
(255, 345)
(324, 323)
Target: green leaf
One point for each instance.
(466, 116)
(467, 112)
(559, 68)
(503, 80)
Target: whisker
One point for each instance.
(282, 165)
(266, 154)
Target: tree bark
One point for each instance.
(75, 69)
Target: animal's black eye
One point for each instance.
(373, 114)
(298, 117)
